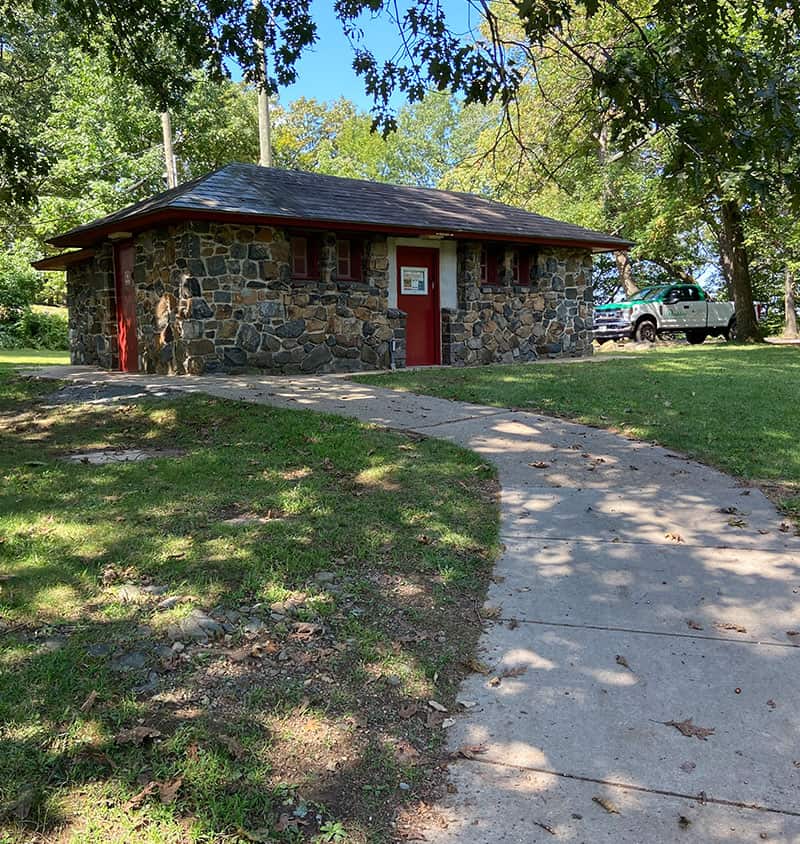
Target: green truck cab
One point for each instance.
(665, 309)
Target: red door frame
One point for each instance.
(431, 323)
(125, 289)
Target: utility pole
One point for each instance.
(264, 128)
(169, 154)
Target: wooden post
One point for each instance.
(169, 154)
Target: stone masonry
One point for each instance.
(215, 297)
(92, 311)
(551, 315)
(221, 297)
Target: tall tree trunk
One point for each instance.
(622, 258)
(790, 325)
(724, 249)
(733, 255)
(625, 270)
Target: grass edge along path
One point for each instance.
(732, 407)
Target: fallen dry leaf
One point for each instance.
(90, 701)
(684, 822)
(693, 624)
(434, 704)
(793, 633)
(470, 751)
(141, 796)
(407, 710)
(687, 728)
(475, 666)
(506, 673)
(304, 630)
(168, 790)
(539, 464)
(688, 767)
(620, 660)
(607, 804)
(738, 523)
(491, 612)
(545, 827)
(136, 735)
(674, 537)
(727, 625)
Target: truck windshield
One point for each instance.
(648, 294)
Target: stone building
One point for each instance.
(293, 272)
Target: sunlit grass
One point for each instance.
(735, 407)
(33, 357)
(336, 496)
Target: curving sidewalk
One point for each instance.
(636, 588)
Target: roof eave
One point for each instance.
(64, 260)
(91, 236)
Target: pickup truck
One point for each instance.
(666, 309)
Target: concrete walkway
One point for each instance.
(636, 588)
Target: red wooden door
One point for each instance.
(126, 307)
(418, 296)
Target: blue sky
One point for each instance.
(325, 72)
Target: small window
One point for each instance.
(349, 260)
(494, 260)
(344, 264)
(484, 266)
(515, 267)
(300, 257)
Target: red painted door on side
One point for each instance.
(126, 307)
(418, 296)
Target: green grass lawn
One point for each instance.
(382, 543)
(32, 357)
(735, 407)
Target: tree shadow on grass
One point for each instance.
(401, 527)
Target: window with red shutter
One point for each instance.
(349, 259)
(492, 261)
(515, 267)
(524, 267)
(343, 260)
(300, 263)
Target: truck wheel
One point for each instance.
(645, 331)
(696, 336)
(730, 331)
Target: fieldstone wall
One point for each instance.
(92, 311)
(213, 297)
(504, 323)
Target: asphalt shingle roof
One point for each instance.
(291, 195)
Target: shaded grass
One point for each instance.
(735, 407)
(407, 527)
